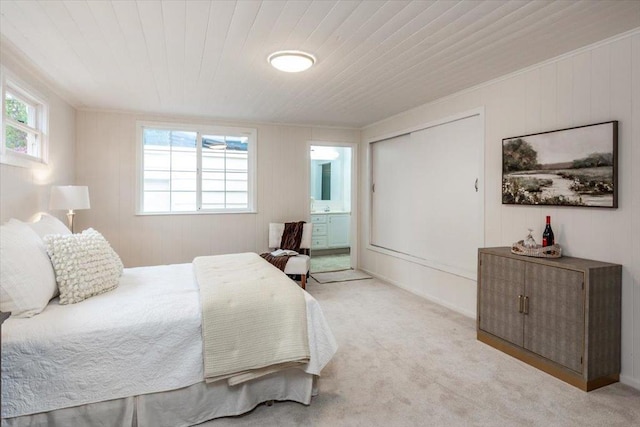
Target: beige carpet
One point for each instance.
(404, 361)
(339, 276)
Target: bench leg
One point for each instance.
(303, 281)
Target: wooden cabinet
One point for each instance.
(330, 231)
(559, 315)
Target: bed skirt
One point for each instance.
(182, 407)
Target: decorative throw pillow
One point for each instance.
(27, 280)
(85, 265)
(48, 224)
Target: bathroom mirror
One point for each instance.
(321, 179)
(325, 181)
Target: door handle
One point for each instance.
(520, 304)
(526, 305)
(476, 185)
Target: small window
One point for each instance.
(23, 124)
(187, 169)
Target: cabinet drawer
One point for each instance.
(319, 230)
(319, 242)
(318, 219)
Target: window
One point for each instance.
(187, 169)
(24, 124)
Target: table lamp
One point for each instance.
(69, 197)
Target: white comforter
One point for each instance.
(143, 337)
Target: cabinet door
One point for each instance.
(501, 283)
(338, 231)
(554, 324)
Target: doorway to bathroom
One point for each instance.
(330, 191)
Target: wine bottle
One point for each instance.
(547, 235)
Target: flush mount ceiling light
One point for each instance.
(291, 61)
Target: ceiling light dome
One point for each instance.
(291, 61)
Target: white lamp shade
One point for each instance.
(69, 197)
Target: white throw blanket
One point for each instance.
(254, 318)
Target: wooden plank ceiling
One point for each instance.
(375, 58)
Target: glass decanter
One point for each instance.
(529, 241)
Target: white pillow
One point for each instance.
(27, 280)
(85, 265)
(48, 224)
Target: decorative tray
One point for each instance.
(553, 251)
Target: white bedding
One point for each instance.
(143, 337)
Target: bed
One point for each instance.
(133, 356)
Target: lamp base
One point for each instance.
(70, 216)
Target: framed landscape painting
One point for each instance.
(567, 167)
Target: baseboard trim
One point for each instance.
(337, 251)
(631, 382)
(426, 296)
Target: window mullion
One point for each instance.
(170, 171)
(225, 173)
(21, 126)
(199, 171)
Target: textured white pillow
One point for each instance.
(85, 265)
(27, 280)
(48, 224)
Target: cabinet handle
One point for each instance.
(526, 305)
(519, 303)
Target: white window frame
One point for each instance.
(22, 91)
(252, 150)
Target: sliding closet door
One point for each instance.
(425, 200)
(389, 196)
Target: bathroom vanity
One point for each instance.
(331, 230)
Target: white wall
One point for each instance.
(24, 192)
(106, 155)
(595, 84)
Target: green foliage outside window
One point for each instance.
(16, 139)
